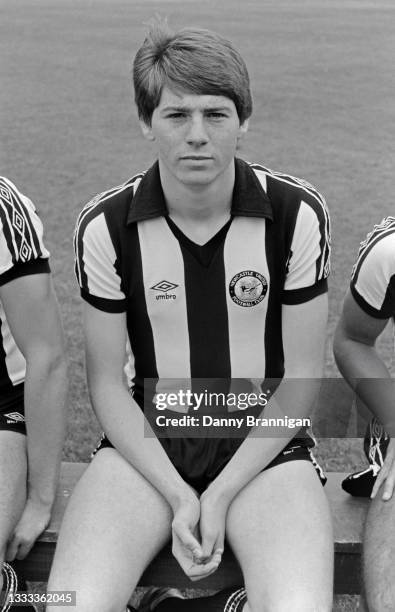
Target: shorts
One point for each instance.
(12, 413)
(207, 458)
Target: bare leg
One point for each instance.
(115, 524)
(12, 485)
(279, 527)
(379, 555)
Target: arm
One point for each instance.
(304, 328)
(367, 374)
(33, 316)
(124, 424)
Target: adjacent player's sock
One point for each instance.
(12, 586)
(229, 600)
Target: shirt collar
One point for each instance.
(249, 198)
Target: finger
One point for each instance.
(388, 486)
(188, 540)
(210, 541)
(197, 572)
(12, 549)
(24, 549)
(217, 556)
(379, 480)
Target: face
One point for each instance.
(196, 136)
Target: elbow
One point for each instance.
(48, 362)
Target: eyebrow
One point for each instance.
(186, 109)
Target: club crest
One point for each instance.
(248, 288)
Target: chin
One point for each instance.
(196, 178)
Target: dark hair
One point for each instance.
(193, 60)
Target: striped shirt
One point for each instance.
(373, 275)
(212, 311)
(22, 252)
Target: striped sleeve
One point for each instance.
(22, 250)
(373, 275)
(308, 263)
(96, 260)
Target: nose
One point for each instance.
(197, 134)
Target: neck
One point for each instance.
(198, 202)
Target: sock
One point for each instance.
(21, 588)
(229, 600)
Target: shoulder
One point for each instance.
(112, 203)
(282, 186)
(373, 275)
(13, 200)
(21, 235)
(377, 250)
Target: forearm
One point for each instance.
(45, 412)
(368, 375)
(295, 399)
(125, 425)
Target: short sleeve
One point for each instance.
(373, 275)
(96, 261)
(22, 249)
(308, 263)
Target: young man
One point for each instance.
(210, 268)
(368, 307)
(32, 383)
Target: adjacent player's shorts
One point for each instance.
(12, 415)
(200, 461)
(360, 484)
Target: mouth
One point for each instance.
(196, 157)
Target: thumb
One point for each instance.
(187, 538)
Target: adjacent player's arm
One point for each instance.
(124, 423)
(33, 316)
(366, 372)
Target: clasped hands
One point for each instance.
(198, 533)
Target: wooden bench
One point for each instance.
(348, 516)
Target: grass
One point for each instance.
(323, 85)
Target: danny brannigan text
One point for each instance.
(237, 422)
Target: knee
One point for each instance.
(381, 601)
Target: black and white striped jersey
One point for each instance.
(22, 252)
(213, 314)
(373, 275)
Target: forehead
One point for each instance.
(192, 101)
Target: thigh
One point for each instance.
(379, 555)
(115, 523)
(279, 527)
(12, 483)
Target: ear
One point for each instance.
(146, 130)
(242, 130)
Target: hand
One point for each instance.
(386, 476)
(185, 545)
(35, 518)
(212, 526)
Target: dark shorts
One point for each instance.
(12, 414)
(209, 457)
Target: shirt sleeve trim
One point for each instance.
(366, 307)
(35, 266)
(113, 306)
(305, 294)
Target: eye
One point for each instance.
(216, 115)
(175, 115)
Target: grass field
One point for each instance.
(323, 85)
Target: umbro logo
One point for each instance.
(164, 287)
(14, 417)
